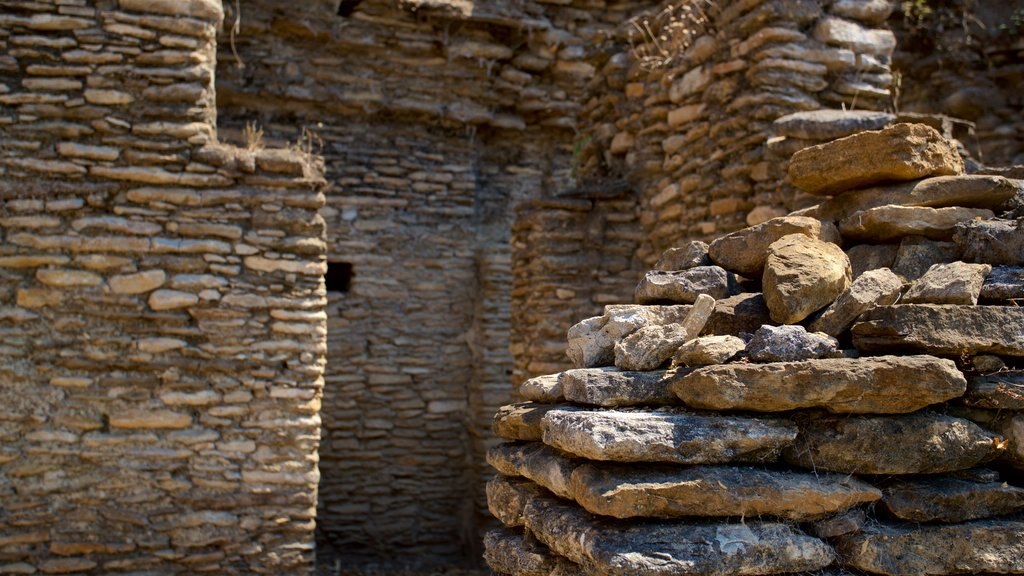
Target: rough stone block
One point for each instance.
(803, 275)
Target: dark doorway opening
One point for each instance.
(338, 277)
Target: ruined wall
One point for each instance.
(162, 297)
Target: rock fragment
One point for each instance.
(651, 346)
(745, 251)
(873, 288)
(803, 275)
(612, 387)
(953, 283)
(789, 344)
(690, 255)
(708, 350)
(893, 223)
(684, 286)
(942, 499)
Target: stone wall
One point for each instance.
(162, 306)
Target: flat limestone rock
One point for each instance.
(741, 313)
(917, 254)
(669, 548)
(996, 242)
(610, 387)
(745, 251)
(534, 461)
(803, 275)
(867, 257)
(708, 350)
(507, 497)
(509, 552)
(997, 391)
(684, 286)
(943, 330)
(592, 341)
(829, 124)
(922, 443)
(984, 546)
(898, 153)
(690, 255)
(872, 385)
(1004, 283)
(651, 346)
(953, 283)
(521, 421)
(625, 491)
(939, 499)
(544, 389)
(789, 344)
(880, 287)
(673, 437)
(893, 223)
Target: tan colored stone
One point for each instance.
(803, 275)
(171, 300)
(138, 283)
(745, 251)
(150, 419)
(63, 278)
(210, 10)
(893, 223)
(880, 287)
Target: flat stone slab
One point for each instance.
(684, 286)
(535, 461)
(873, 385)
(981, 547)
(953, 283)
(789, 344)
(626, 491)
(996, 242)
(611, 387)
(745, 251)
(923, 443)
(880, 287)
(708, 350)
(830, 124)
(898, 153)
(1004, 283)
(507, 497)
(592, 341)
(803, 275)
(893, 223)
(951, 500)
(666, 436)
(669, 548)
(942, 330)
(997, 391)
(512, 553)
(521, 421)
(690, 255)
(651, 346)
(545, 389)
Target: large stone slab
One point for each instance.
(923, 443)
(690, 255)
(971, 191)
(672, 548)
(511, 553)
(940, 499)
(626, 491)
(592, 341)
(874, 385)
(893, 223)
(666, 436)
(997, 391)
(1004, 283)
(789, 344)
(507, 497)
(745, 251)
(829, 124)
(943, 330)
(803, 275)
(898, 153)
(684, 286)
(981, 547)
(534, 461)
(652, 346)
(521, 421)
(953, 283)
(610, 387)
(880, 287)
(996, 242)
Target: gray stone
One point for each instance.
(997, 391)
(1004, 283)
(893, 223)
(985, 363)
(625, 491)
(897, 153)
(829, 124)
(690, 255)
(950, 499)
(683, 286)
(846, 523)
(880, 287)
(508, 552)
(507, 497)
(803, 275)
(789, 344)
(867, 257)
(953, 283)
(972, 191)
(944, 330)
(916, 255)
(672, 548)
(922, 443)
(745, 251)
(544, 389)
(872, 385)
(612, 387)
(537, 462)
(869, 11)
(522, 421)
(737, 314)
(592, 341)
(980, 547)
(996, 242)
(666, 436)
(708, 350)
(651, 346)
(853, 36)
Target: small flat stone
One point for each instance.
(507, 497)
(708, 350)
(893, 223)
(592, 341)
(873, 385)
(830, 124)
(943, 330)
(737, 314)
(846, 523)
(690, 255)
(922, 443)
(521, 421)
(880, 287)
(971, 191)
(867, 257)
(138, 283)
(1004, 283)
(683, 286)
(996, 242)
(980, 547)
(897, 153)
(869, 11)
(950, 499)
(803, 275)
(625, 491)
(953, 283)
(544, 389)
(789, 344)
(996, 391)
(150, 419)
(673, 437)
(917, 254)
(611, 387)
(171, 300)
(745, 251)
(853, 36)
(537, 462)
(651, 346)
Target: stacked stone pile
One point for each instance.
(835, 390)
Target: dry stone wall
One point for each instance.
(162, 306)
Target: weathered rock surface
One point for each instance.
(803, 275)
(521, 421)
(953, 283)
(985, 546)
(745, 251)
(879, 287)
(917, 254)
(672, 548)
(651, 346)
(874, 385)
(612, 387)
(923, 443)
(867, 257)
(708, 350)
(592, 341)
(789, 344)
(683, 286)
(690, 255)
(830, 124)
(941, 499)
(997, 391)
(545, 389)
(668, 492)
(737, 314)
(944, 330)
(507, 497)
(892, 223)
(535, 461)
(972, 191)
(673, 437)
(897, 153)
(996, 242)
(846, 523)
(508, 552)
(1004, 283)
